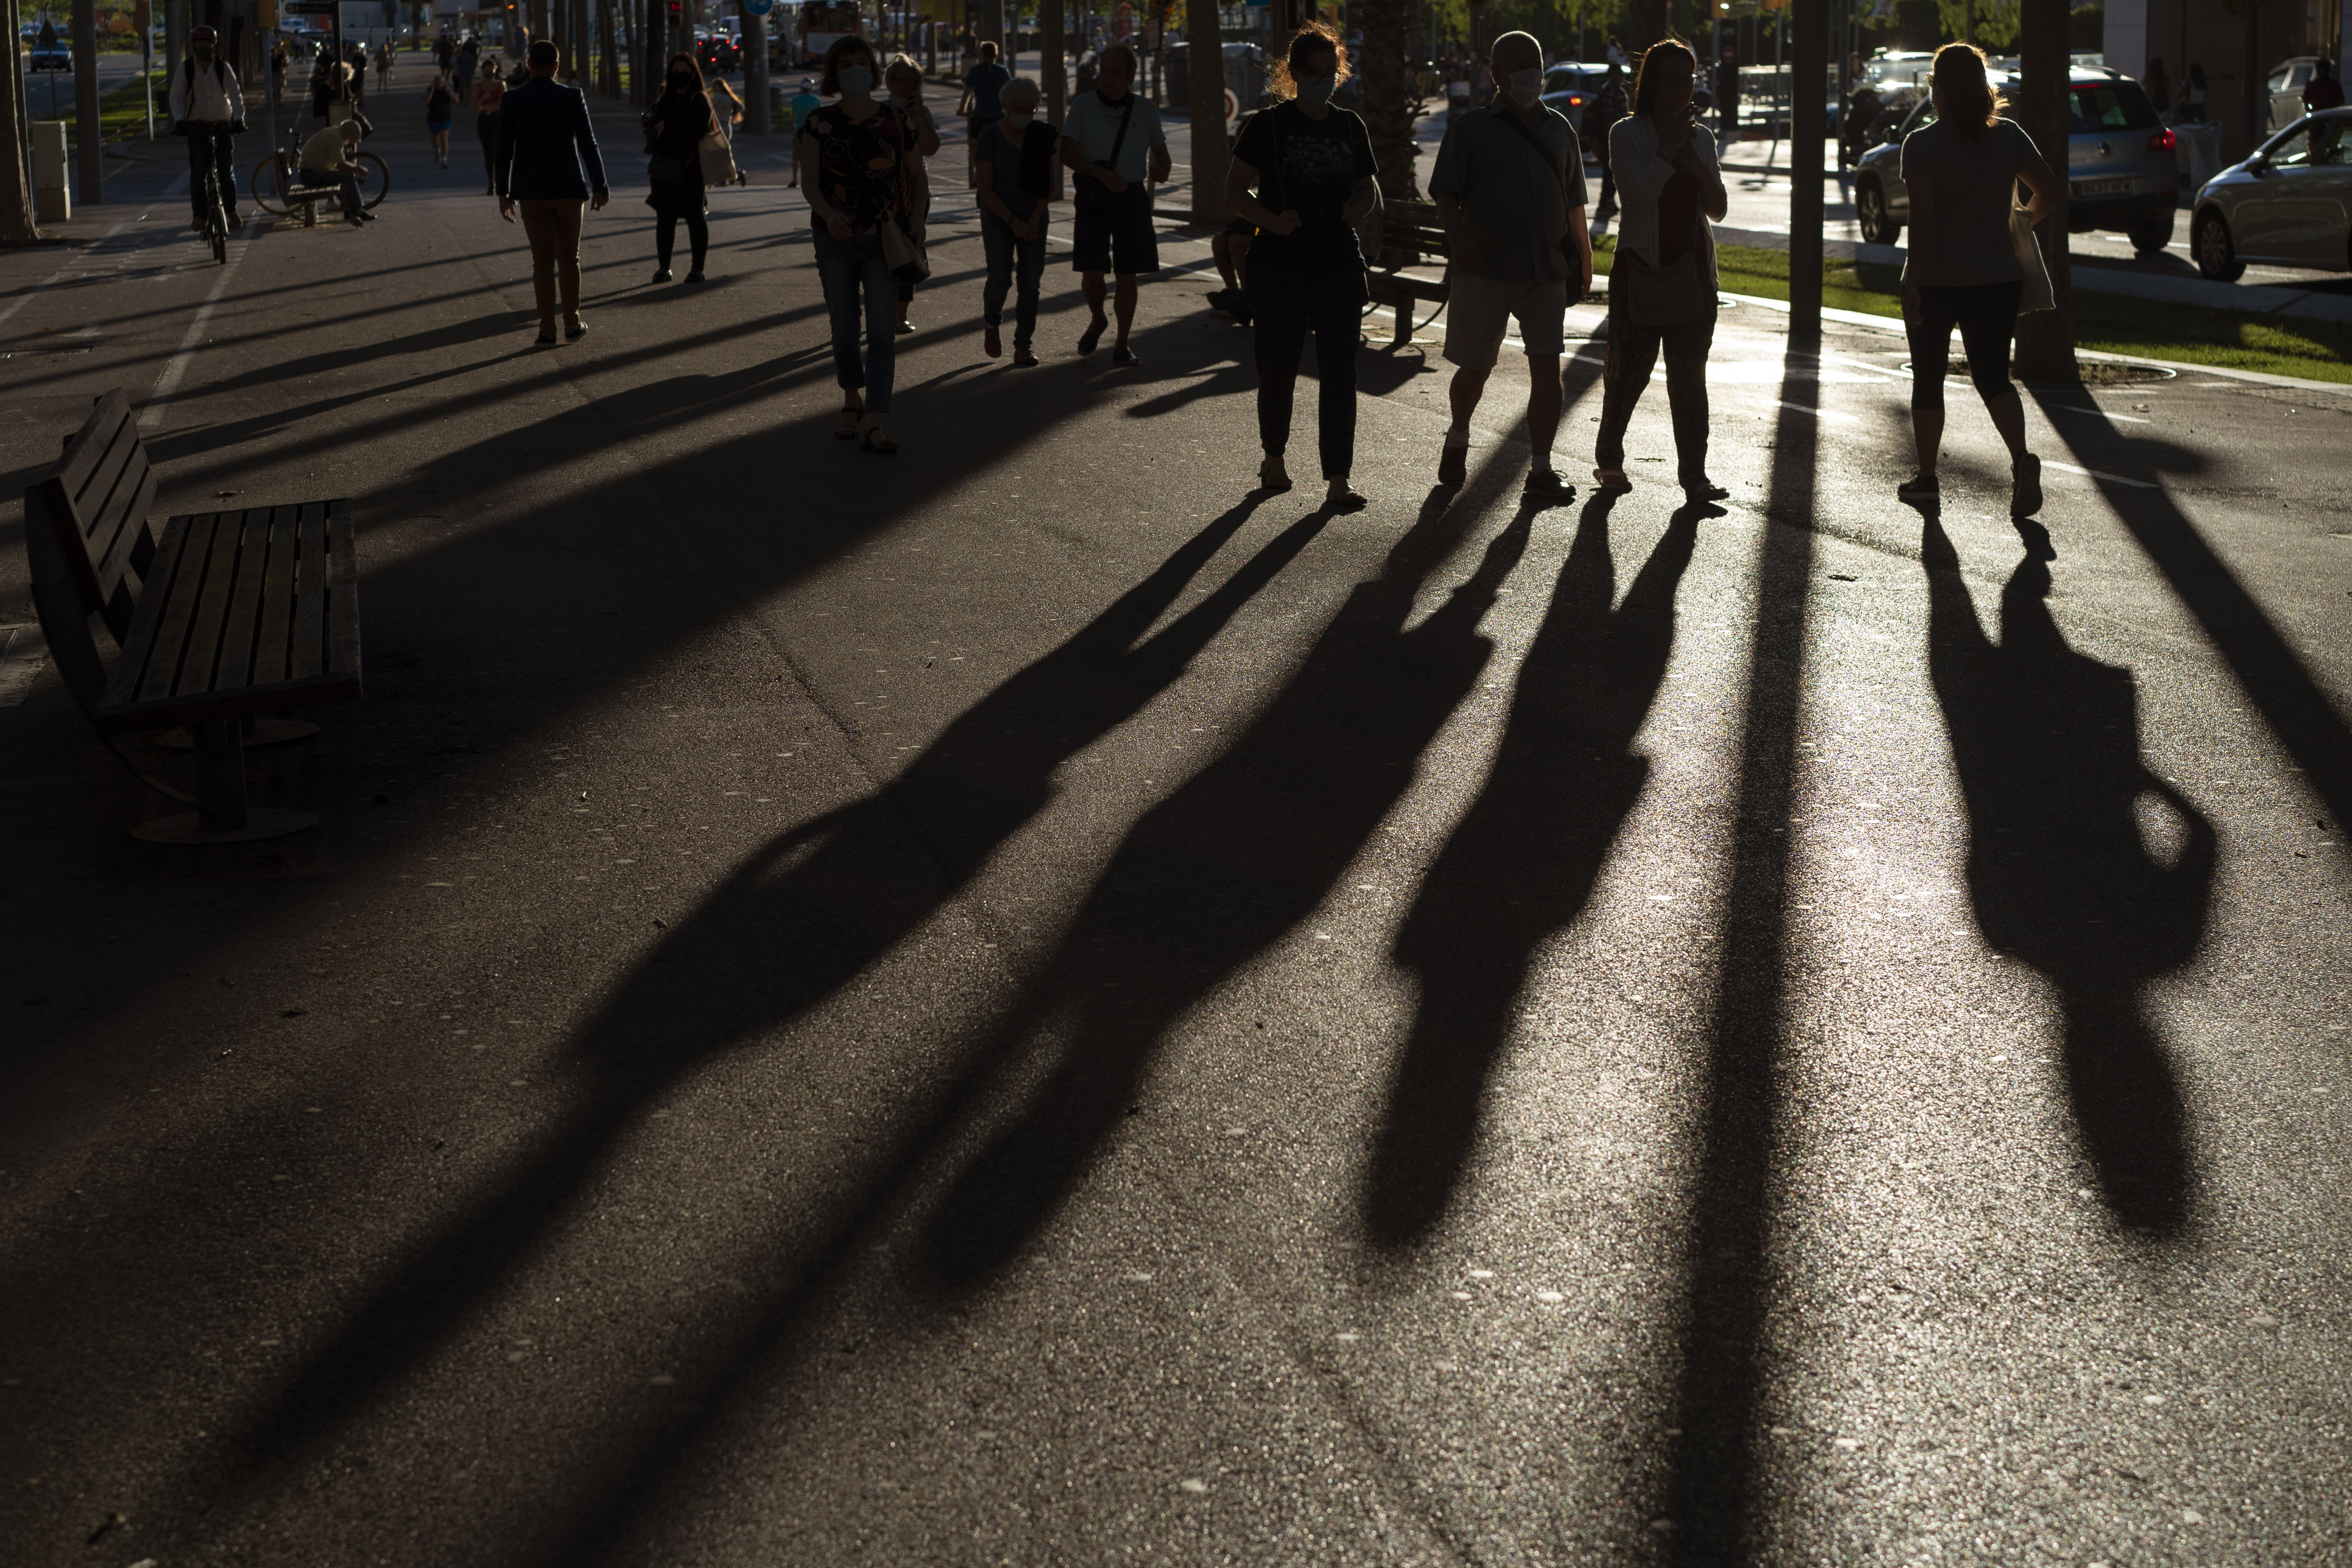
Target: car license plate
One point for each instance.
(2104, 187)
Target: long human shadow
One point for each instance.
(1521, 865)
(2046, 742)
(788, 928)
(2272, 675)
(1715, 1453)
(1220, 871)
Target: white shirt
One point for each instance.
(212, 96)
(1094, 126)
(1642, 175)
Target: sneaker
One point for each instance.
(1091, 339)
(661, 275)
(576, 331)
(1546, 486)
(1024, 359)
(2025, 486)
(1453, 466)
(1611, 479)
(1919, 487)
(1124, 357)
(1703, 490)
(695, 277)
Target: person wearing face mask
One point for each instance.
(1662, 285)
(207, 109)
(860, 168)
(1509, 189)
(1014, 168)
(904, 79)
(1303, 174)
(1113, 143)
(675, 126)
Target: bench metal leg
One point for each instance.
(222, 816)
(1404, 322)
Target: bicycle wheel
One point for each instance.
(375, 178)
(268, 187)
(220, 245)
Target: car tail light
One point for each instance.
(1575, 100)
(2163, 142)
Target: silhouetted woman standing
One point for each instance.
(675, 126)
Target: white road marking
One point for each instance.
(2126, 418)
(21, 300)
(2095, 474)
(177, 368)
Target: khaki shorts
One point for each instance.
(1478, 308)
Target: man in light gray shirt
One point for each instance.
(1509, 189)
(1112, 144)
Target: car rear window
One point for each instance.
(2112, 106)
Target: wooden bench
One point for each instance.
(308, 197)
(1411, 236)
(225, 616)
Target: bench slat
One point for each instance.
(313, 574)
(129, 671)
(272, 653)
(130, 547)
(91, 443)
(235, 667)
(198, 663)
(177, 621)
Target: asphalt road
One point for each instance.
(1020, 1003)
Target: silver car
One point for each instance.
(2291, 202)
(2121, 171)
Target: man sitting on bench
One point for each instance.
(327, 159)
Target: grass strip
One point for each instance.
(2106, 324)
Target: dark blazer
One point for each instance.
(544, 143)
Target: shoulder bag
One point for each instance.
(1674, 295)
(901, 253)
(2036, 293)
(1092, 193)
(1543, 155)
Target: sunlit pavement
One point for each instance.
(1020, 1003)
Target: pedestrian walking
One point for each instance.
(1113, 143)
(805, 102)
(675, 126)
(1963, 268)
(2192, 95)
(1661, 284)
(488, 93)
(546, 164)
(1303, 174)
(1016, 174)
(863, 175)
(2157, 86)
(1509, 189)
(440, 108)
(383, 66)
(208, 109)
(2323, 90)
(1609, 106)
(982, 104)
(330, 157)
(903, 80)
(468, 61)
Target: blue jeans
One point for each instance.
(851, 268)
(1002, 245)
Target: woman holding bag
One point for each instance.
(675, 126)
(862, 171)
(1661, 284)
(1965, 267)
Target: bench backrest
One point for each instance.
(100, 491)
(1409, 231)
(88, 539)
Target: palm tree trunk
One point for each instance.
(1205, 55)
(1388, 111)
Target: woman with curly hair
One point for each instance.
(1303, 174)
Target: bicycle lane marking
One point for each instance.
(81, 254)
(175, 369)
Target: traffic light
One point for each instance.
(676, 13)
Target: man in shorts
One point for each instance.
(1113, 143)
(1510, 187)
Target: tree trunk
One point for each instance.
(2045, 340)
(1205, 53)
(1388, 114)
(17, 224)
(1646, 21)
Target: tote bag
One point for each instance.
(2035, 294)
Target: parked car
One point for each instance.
(2291, 202)
(2288, 78)
(2121, 173)
(57, 56)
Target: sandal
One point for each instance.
(851, 414)
(1339, 495)
(1272, 477)
(1611, 479)
(1089, 339)
(873, 440)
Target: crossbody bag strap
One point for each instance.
(1535, 142)
(1120, 140)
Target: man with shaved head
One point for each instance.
(1509, 186)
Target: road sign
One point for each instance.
(758, 7)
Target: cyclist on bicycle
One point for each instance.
(209, 110)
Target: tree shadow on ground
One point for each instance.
(1214, 875)
(2046, 743)
(1522, 864)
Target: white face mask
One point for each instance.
(1525, 87)
(856, 82)
(1316, 90)
(1017, 121)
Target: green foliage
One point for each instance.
(1996, 23)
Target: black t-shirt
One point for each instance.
(1313, 174)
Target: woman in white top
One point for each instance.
(1962, 171)
(1662, 284)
